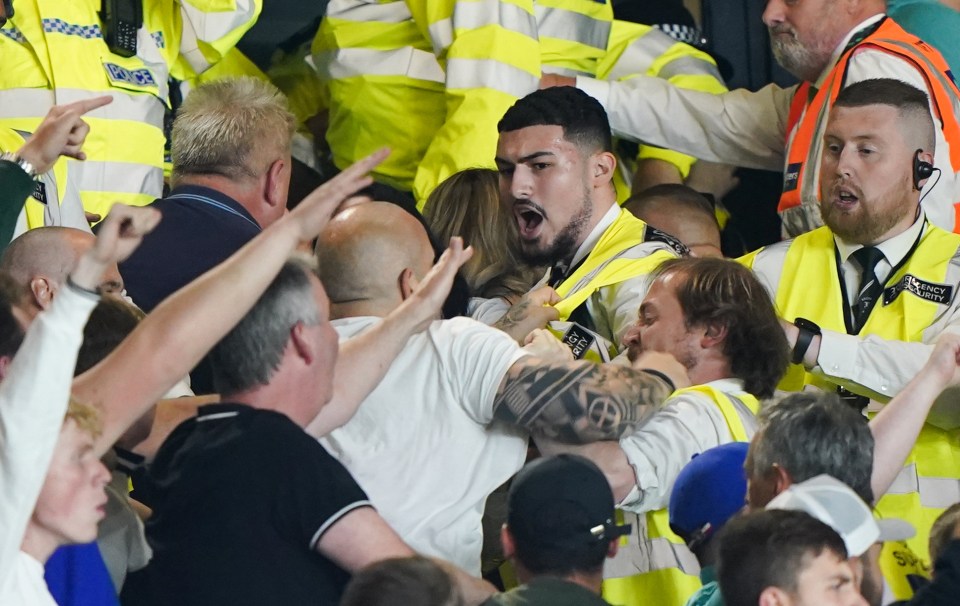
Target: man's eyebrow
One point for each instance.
(535, 155)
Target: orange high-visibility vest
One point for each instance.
(803, 152)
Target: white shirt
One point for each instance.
(749, 129)
(687, 425)
(424, 445)
(25, 585)
(33, 400)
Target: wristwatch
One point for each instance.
(808, 330)
(22, 163)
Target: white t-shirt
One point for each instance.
(25, 586)
(424, 446)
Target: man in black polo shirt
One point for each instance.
(248, 508)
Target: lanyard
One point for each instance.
(893, 272)
(215, 204)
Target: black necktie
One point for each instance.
(870, 286)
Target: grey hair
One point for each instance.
(224, 126)
(808, 434)
(249, 354)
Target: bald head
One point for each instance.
(681, 212)
(371, 257)
(40, 260)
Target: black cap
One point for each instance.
(562, 502)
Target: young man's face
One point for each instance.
(544, 182)
(72, 500)
(866, 175)
(660, 325)
(826, 580)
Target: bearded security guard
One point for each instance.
(59, 51)
(869, 293)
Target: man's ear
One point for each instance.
(603, 167)
(506, 540)
(274, 186)
(714, 335)
(301, 344)
(408, 283)
(774, 596)
(4, 366)
(42, 290)
(782, 478)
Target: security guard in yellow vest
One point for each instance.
(431, 78)
(732, 357)
(556, 177)
(869, 293)
(57, 51)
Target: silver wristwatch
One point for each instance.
(22, 163)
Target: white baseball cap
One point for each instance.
(836, 505)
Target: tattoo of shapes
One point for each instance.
(578, 402)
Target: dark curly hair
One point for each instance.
(582, 118)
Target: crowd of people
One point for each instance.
(505, 353)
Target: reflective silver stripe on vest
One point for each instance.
(642, 554)
(474, 15)
(351, 10)
(35, 102)
(572, 26)
(639, 56)
(935, 493)
(119, 177)
(352, 62)
(488, 73)
(689, 66)
(637, 251)
(210, 24)
(570, 73)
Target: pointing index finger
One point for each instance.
(87, 105)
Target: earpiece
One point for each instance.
(921, 170)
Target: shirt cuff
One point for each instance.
(597, 89)
(839, 359)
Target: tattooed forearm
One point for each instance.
(578, 402)
(514, 316)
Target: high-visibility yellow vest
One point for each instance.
(809, 287)
(429, 78)
(54, 53)
(55, 182)
(619, 255)
(658, 568)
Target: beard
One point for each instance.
(867, 222)
(564, 245)
(803, 61)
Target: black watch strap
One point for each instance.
(808, 330)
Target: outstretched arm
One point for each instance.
(896, 427)
(176, 335)
(581, 402)
(365, 359)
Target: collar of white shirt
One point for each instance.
(605, 221)
(894, 250)
(843, 45)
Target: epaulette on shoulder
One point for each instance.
(652, 234)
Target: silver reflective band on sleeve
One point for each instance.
(642, 554)
(572, 26)
(212, 24)
(351, 10)
(689, 66)
(637, 251)
(352, 62)
(935, 493)
(118, 177)
(638, 58)
(35, 102)
(474, 15)
(487, 73)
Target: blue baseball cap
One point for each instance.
(710, 490)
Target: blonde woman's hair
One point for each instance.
(468, 204)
